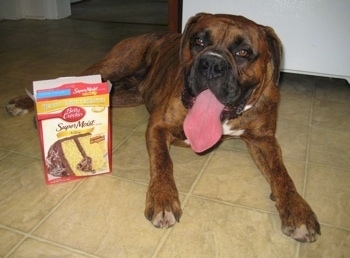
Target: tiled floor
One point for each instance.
(226, 207)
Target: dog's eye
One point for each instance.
(199, 42)
(242, 53)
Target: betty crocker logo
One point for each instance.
(72, 114)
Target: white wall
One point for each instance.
(315, 33)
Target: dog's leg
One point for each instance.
(162, 201)
(20, 105)
(298, 219)
(126, 65)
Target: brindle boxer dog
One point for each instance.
(217, 80)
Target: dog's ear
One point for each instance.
(275, 47)
(192, 20)
(187, 30)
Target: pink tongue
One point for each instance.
(202, 125)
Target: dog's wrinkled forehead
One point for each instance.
(228, 31)
(233, 35)
(225, 28)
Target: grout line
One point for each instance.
(162, 241)
(25, 154)
(59, 204)
(138, 182)
(132, 131)
(29, 234)
(123, 141)
(198, 177)
(306, 169)
(183, 204)
(329, 166)
(14, 248)
(67, 248)
(12, 230)
(334, 226)
(5, 155)
(236, 205)
(297, 250)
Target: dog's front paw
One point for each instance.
(298, 220)
(163, 207)
(20, 105)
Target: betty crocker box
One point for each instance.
(74, 127)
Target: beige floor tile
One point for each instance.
(187, 165)
(233, 177)
(234, 144)
(143, 126)
(26, 199)
(104, 217)
(292, 138)
(8, 240)
(130, 161)
(32, 248)
(295, 108)
(30, 72)
(3, 153)
(328, 190)
(334, 242)
(12, 59)
(330, 147)
(210, 229)
(334, 90)
(17, 130)
(31, 148)
(297, 84)
(128, 117)
(119, 135)
(331, 114)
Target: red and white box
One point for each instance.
(74, 127)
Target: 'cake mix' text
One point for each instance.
(79, 124)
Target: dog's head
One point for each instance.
(231, 56)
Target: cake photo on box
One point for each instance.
(78, 155)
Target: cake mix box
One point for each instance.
(74, 127)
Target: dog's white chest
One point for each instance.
(226, 130)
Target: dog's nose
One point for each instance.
(212, 66)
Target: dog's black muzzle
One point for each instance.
(212, 67)
(214, 71)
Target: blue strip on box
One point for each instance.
(53, 93)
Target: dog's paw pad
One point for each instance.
(301, 234)
(16, 111)
(164, 219)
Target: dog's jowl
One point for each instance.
(217, 80)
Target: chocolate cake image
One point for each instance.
(77, 155)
